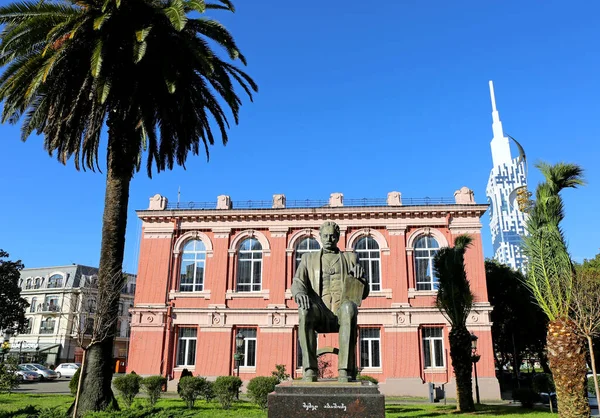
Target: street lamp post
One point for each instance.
(475, 358)
(239, 354)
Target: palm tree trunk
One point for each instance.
(460, 353)
(566, 355)
(96, 393)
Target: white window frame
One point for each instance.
(198, 258)
(370, 342)
(186, 341)
(44, 326)
(56, 283)
(34, 305)
(299, 251)
(255, 262)
(247, 340)
(431, 340)
(365, 256)
(47, 299)
(431, 251)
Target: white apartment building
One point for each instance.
(62, 305)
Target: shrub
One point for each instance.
(280, 373)
(128, 387)
(153, 386)
(208, 392)
(542, 383)
(367, 378)
(74, 382)
(259, 389)
(590, 384)
(226, 389)
(190, 388)
(526, 396)
(184, 373)
(8, 377)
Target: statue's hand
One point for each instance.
(358, 272)
(303, 301)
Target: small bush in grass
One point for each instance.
(128, 387)
(208, 392)
(184, 373)
(259, 389)
(367, 378)
(526, 396)
(153, 386)
(226, 389)
(74, 382)
(190, 389)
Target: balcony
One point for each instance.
(49, 308)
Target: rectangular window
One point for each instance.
(370, 347)
(433, 347)
(186, 343)
(51, 304)
(249, 347)
(47, 326)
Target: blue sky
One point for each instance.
(360, 99)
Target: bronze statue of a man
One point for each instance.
(329, 287)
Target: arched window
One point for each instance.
(33, 305)
(249, 266)
(56, 280)
(425, 249)
(38, 282)
(370, 259)
(193, 261)
(28, 284)
(307, 245)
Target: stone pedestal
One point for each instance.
(326, 399)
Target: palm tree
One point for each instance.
(455, 300)
(148, 70)
(550, 275)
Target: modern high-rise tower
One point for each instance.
(507, 178)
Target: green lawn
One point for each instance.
(22, 406)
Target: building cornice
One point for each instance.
(355, 214)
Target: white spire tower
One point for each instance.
(507, 222)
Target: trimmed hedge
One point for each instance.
(367, 378)
(226, 389)
(153, 386)
(260, 387)
(128, 386)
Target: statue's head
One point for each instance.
(330, 235)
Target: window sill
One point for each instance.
(371, 370)
(181, 368)
(205, 294)
(435, 370)
(240, 295)
(245, 369)
(412, 293)
(383, 293)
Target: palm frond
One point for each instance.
(454, 298)
(550, 270)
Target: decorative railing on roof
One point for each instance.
(307, 203)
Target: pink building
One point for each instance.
(207, 272)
